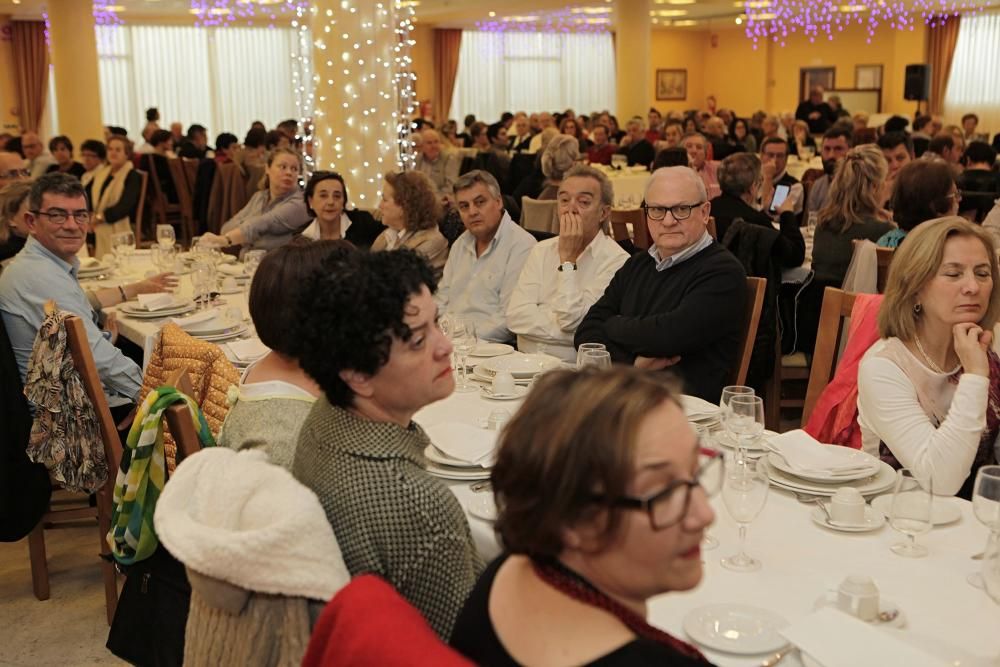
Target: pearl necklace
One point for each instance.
(930, 362)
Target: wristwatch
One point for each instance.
(567, 266)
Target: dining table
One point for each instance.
(802, 565)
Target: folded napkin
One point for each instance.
(833, 638)
(197, 318)
(463, 442)
(802, 452)
(231, 269)
(156, 301)
(89, 262)
(695, 407)
(248, 350)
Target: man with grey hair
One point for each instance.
(635, 146)
(485, 261)
(740, 179)
(34, 152)
(12, 168)
(439, 165)
(682, 303)
(545, 121)
(564, 276)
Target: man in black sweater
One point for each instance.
(816, 112)
(681, 304)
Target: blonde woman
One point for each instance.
(852, 212)
(114, 194)
(929, 390)
(411, 211)
(561, 153)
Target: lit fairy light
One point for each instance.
(776, 20)
(566, 20)
(243, 12)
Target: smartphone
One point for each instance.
(780, 195)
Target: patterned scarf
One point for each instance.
(142, 475)
(565, 580)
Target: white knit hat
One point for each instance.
(233, 516)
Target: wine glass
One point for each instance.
(596, 358)
(585, 347)
(746, 421)
(986, 506)
(202, 280)
(991, 566)
(708, 541)
(744, 493)
(910, 513)
(463, 338)
(165, 236)
(727, 396)
(123, 245)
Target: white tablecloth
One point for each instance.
(797, 167)
(801, 560)
(629, 185)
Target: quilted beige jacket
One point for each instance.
(211, 375)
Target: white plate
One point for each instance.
(155, 314)
(446, 472)
(491, 350)
(943, 510)
(483, 507)
(519, 393)
(736, 628)
(873, 521)
(92, 270)
(175, 303)
(435, 455)
(775, 461)
(870, 486)
(479, 373)
(520, 365)
(236, 332)
(884, 605)
(698, 408)
(216, 326)
(236, 290)
(725, 439)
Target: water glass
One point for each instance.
(745, 421)
(123, 245)
(986, 507)
(202, 280)
(165, 236)
(744, 493)
(991, 566)
(585, 347)
(596, 358)
(910, 513)
(464, 340)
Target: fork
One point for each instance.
(481, 486)
(779, 656)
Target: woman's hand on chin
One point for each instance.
(971, 344)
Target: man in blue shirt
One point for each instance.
(47, 268)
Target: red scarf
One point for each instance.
(565, 580)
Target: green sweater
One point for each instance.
(390, 517)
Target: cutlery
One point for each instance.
(806, 497)
(979, 556)
(481, 486)
(887, 616)
(779, 656)
(822, 506)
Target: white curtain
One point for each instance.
(540, 71)
(974, 85)
(223, 78)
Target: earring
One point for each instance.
(917, 308)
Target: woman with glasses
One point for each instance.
(598, 511)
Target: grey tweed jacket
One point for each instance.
(390, 517)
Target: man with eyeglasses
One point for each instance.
(12, 168)
(34, 152)
(57, 221)
(682, 303)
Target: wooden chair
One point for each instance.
(755, 303)
(83, 360)
(711, 228)
(539, 215)
(837, 306)
(163, 210)
(883, 258)
(185, 198)
(179, 418)
(622, 218)
(140, 211)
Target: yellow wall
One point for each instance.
(9, 122)
(422, 53)
(678, 49)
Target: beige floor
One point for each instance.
(70, 627)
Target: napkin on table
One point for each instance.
(89, 262)
(836, 639)
(156, 301)
(803, 452)
(248, 350)
(231, 269)
(463, 442)
(695, 407)
(197, 318)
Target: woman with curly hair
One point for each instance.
(410, 211)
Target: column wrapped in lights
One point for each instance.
(362, 96)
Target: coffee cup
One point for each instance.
(503, 383)
(229, 284)
(497, 419)
(858, 596)
(847, 506)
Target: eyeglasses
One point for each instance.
(15, 173)
(678, 211)
(59, 217)
(669, 506)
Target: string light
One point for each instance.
(247, 12)
(361, 96)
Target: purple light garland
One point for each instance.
(775, 20)
(105, 14)
(563, 20)
(227, 12)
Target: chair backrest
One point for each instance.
(711, 228)
(539, 215)
(883, 258)
(83, 360)
(140, 209)
(755, 304)
(837, 306)
(183, 186)
(179, 418)
(621, 218)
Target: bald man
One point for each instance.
(12, 168)
(440, 166)
(34, 152)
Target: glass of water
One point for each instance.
(910, 513)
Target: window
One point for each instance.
(223, 78)
(533, 71)
(974, 84)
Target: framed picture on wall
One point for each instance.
(868, 77)
(816, 76)
(671, 84)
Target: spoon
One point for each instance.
(887, 616)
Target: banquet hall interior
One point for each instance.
(455, 332)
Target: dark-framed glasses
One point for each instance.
(678, 211)
(12, 174)
(669, 506)
(59, 216)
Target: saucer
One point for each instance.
(482, 506)
(943, 510)
(884, 605)
(736, 628)
(873, 521)
(520, 392)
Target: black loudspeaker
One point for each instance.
(918, 83)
